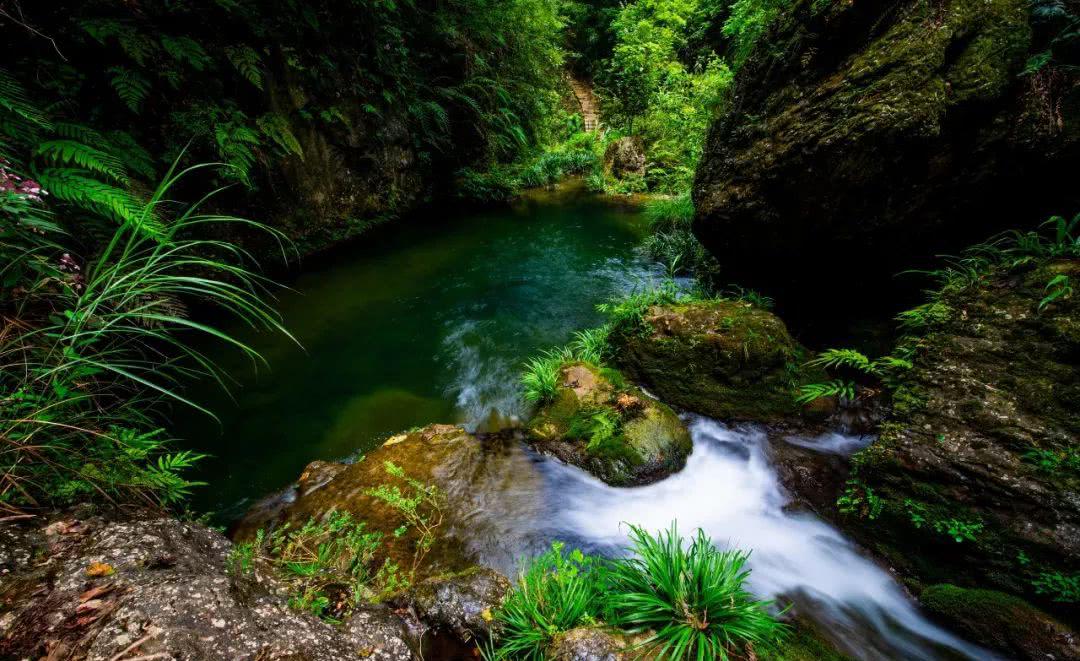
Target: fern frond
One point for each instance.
(132, 154)
(130, 86)
(276, 127)
(247, 63)
(136, 45)
(80, 188)
(837, 388)
(100, 29)
(187, 50)
(236, 143)
(20, 111)
(72, 152)
(433, 119)
(833, 358)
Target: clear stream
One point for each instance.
(430, 320)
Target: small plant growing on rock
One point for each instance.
(851, 362)
(690, 598)
(420, 506)
(1062, 461)
(329, 564)
(859, 500)
(591, 345)
(541, 377)
(1059, 587)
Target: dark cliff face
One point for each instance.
(864, 137)
(974, 478)
(354, 173)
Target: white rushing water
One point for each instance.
(731, 491)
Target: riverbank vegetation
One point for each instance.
(681, 600)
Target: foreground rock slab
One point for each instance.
(150, 586)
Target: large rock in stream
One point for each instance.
(862, 137)
(728, 360)
(975, 479)
(599, 422)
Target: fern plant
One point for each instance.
(882, 369)
(131, 86)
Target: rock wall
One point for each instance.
(354, 173)
(974, 479)
(862, 137)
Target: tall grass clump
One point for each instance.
(540, 378)
(671, 240)
(556, 592)
(690, 599)
(93, 348)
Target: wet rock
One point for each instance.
(461, 603)
(626, 158)
(459, 463)
(816, 479)
(862, 138)
(168, 594)
(601, 423)
(588, 644)
(978, 443)
(724, 359)
(1001, 621)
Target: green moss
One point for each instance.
(997, 620)
(726, 359)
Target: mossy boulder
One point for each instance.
(599, 422)
(974, 479)
(1001, 621)
(445, 456)
(724, 359)
(862, 137)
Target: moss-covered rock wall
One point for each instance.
(863, 137)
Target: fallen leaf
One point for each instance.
(99, 569)
(95, 592)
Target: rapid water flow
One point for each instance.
(729, 489)
(429, 320)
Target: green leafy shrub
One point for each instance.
(1055, 461)
(591, 345)
(93, 347)
(540, 380)
(690, 599)
(556, 592)
(1059, 587)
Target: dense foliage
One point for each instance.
(258, 86)
(687, 599)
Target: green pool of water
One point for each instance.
(426, 320)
